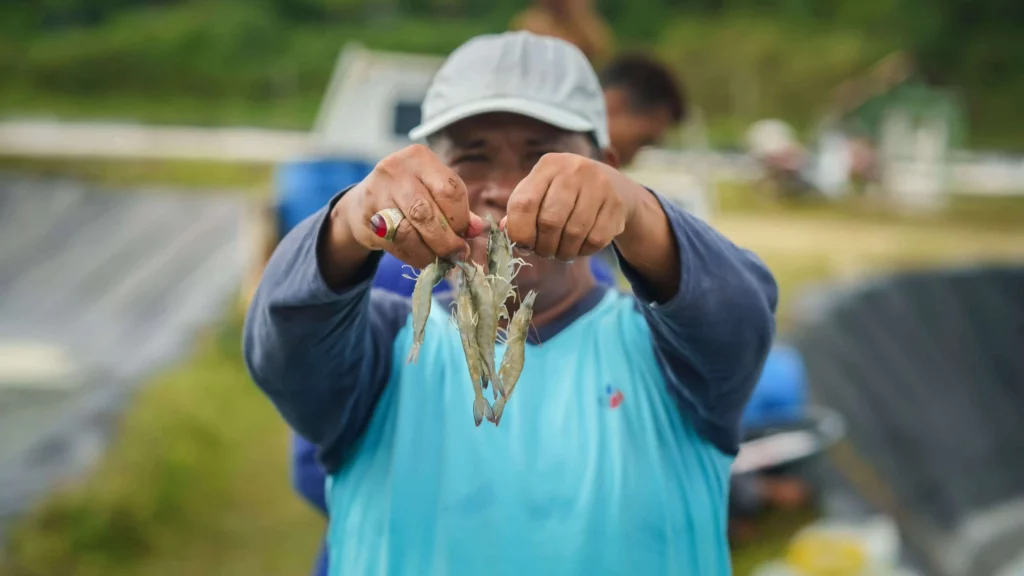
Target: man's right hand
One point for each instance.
(431, 196)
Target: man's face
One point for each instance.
(630, 129)
(492, 153)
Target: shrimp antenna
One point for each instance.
(533, 330)
(517, 264)
(415, 272)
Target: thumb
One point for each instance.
(476, 226)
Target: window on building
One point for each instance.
(406, 117)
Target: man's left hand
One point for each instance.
(570, 206)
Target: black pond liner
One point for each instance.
(927, 370)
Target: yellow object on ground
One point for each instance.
(827, 554)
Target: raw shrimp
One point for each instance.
(422, 296)
(499, 249)
(515, 353)
(501, 268)
(466, 320)
(486, 317)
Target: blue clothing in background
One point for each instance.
(613, 458)
(781, 392)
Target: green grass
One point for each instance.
(196, 483)
(292, 112)
(254, 179)
(963, 210)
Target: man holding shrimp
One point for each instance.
(570, 483)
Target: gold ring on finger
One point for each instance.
(384, 223)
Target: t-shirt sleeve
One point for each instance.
(322, 357)
(712, 338)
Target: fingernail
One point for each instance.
(476, 226)
(501, 225)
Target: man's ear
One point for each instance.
(611, 157)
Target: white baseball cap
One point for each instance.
(541, 77)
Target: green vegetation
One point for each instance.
(209, 63)
(741, 69)
(196, 483)
(254, 179)
(1007, 212)
(267, 62)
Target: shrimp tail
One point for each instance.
(414, 353)
(490, 374)
(499, 409)
(481, 410)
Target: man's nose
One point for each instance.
(498, 190)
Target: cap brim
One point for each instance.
(540, 111)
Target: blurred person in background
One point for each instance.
(644, 100)
(575, 21)
(787, 166)
(681, 354)
(643, 97)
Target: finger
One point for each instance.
(476, 226)
(578, 227)
(417, 204)
(449, 194)
(605, 229)
(555, 209)
(523, 206)
(409, 247)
